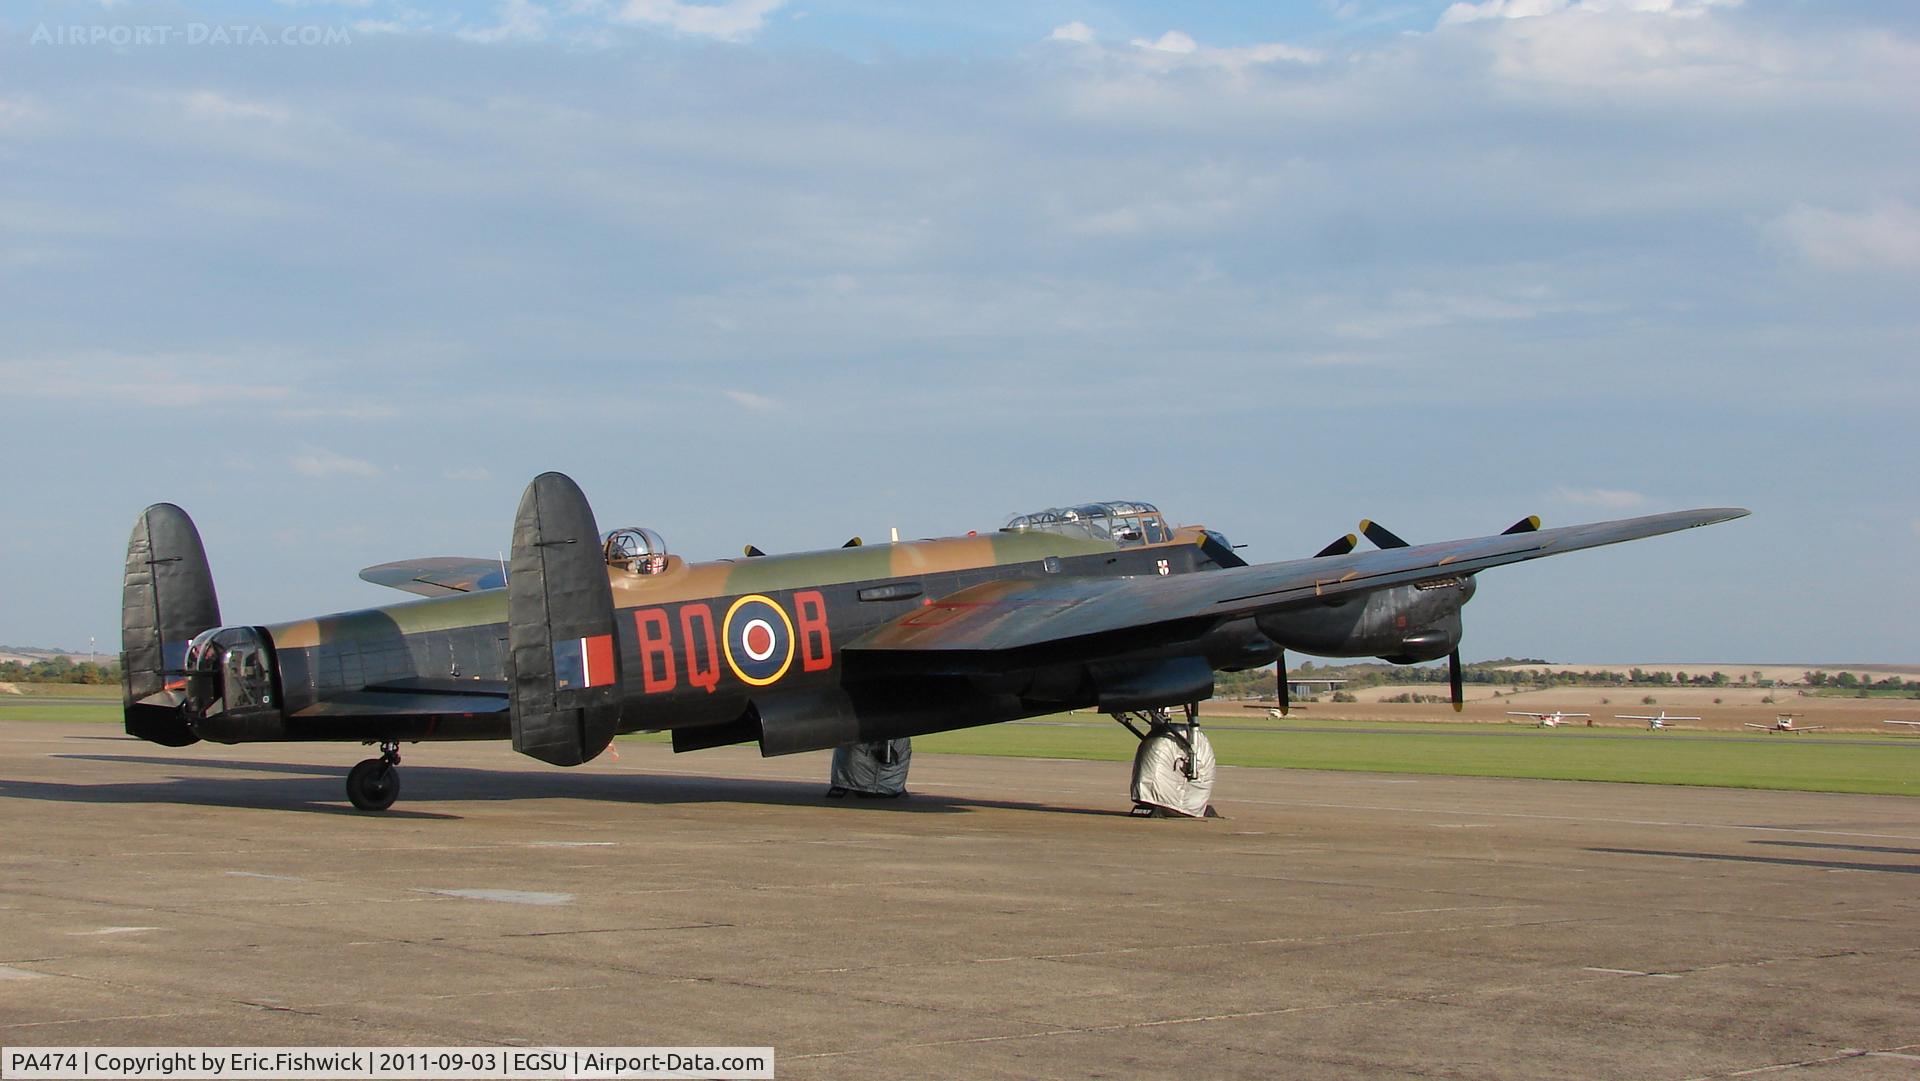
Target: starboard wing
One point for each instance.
(1016, 621)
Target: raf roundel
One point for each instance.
(759, 640)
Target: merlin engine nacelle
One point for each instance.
(1402, 625)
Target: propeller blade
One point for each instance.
(1525, 525)
(752, 551)
(1339, 547)
(1453, 680)
(1280, 673)
(1380, 535)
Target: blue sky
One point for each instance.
(340, 278)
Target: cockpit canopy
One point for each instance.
(635, 550)
(1123, 523)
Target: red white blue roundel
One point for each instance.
(759, 640)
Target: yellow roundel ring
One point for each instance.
(758, 637)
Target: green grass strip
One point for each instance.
(1868, 765)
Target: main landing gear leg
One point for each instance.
(1173, 770)
(373, 785)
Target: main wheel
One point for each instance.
(373, 785)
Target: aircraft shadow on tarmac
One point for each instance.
(1844, 848)
(304, 787)
(1776, 861)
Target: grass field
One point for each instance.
(1808, 762)
(1880, 763)
(103, 691)
(81, 711)
(75, 703)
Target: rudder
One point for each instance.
(560, 631)
(167, 597)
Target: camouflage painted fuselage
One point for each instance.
(719, 647)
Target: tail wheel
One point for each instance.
(373, 785)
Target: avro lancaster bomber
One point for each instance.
(581, 636)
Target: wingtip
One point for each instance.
(1716, 515)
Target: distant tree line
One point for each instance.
(59, 670)
(1532, 673)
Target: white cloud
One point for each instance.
(1605, 498)
(1886, 236)
(1074, 31)
(756, 403)
(1499, 9)
(206, 103)
(1178, 47)
(1265, 54)
(1617, 46)
(315, 461)
(1173, 41)
(732, 20)
(520, 20)
(1533, 9)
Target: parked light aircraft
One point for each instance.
(1784, 723)
(1656, 721)
(1547, 720)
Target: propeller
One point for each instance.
(1380, 535)
(1454, 689)
(1280, 671)
(1339, 547)
(752, 551)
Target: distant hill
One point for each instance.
(31, 654)
(1736, 671)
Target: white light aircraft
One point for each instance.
(1656, 721)
(1784, 723)
(1909, 724)
(1547, 720)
